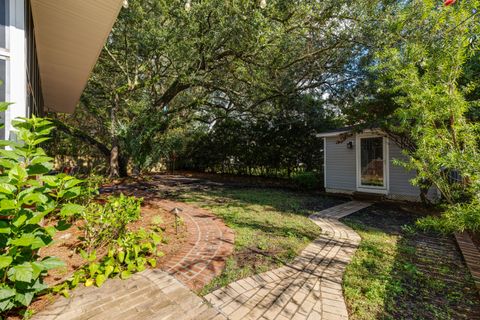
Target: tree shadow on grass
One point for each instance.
(428, 278)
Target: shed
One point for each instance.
(364, 163)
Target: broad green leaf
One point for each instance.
(6, 204)
(5, 163)
(71, 193)
(152, 262)
(37, 217)
(6, 304)
(24, 241)
(6, 292)
(5, 261)
(40, 168)
(51, 181)
(20, 219)
(7, 188)
(121, 256)
(41, 159)
(72, 183)
(63, 225)
(108, 271)
(33, 183)
(18, 173)
(37, 268)
(35, 198)
(100, 279)
(71, 209)
(23, 273)
(5, 228)
(52, 263)
(9, 154)
(93, 268)
(24, 298)
(40, 140)
(156, 239)
(125, 274)
(38, 243)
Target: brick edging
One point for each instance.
(471, 254)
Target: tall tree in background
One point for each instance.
(166, 60)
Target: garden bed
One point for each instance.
(66, 242)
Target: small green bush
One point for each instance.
(132, 252)
(457, 217)
(104, 223)
(307, 180)
(27, 196)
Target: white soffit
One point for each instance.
(70, 35)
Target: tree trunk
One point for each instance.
(114, 157)
(115, 150)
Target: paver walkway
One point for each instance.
(151, 294)
(203, 255)
(309, 288)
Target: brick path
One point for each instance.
(151, 294)
(203, 255)
(309, 288)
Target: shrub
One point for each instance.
(307, 180)
(27, 195)
(457, 217)
(104, 223)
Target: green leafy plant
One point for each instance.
(106, 222)
(131, 253)
(27, 195)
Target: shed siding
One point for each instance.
(399, 177)
(341, 165)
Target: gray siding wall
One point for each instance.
(399, 177)
(341, 165)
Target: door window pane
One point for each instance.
(3, 22)
(371, 152)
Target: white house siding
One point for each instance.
(340, 172)
(400, 185)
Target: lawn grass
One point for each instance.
(271, 227)
(399, 272)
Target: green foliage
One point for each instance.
(131, 252)
(424, 65)
(105, 222)
(307, 180)
(457, 217)
(203, 68)
(27, 196)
